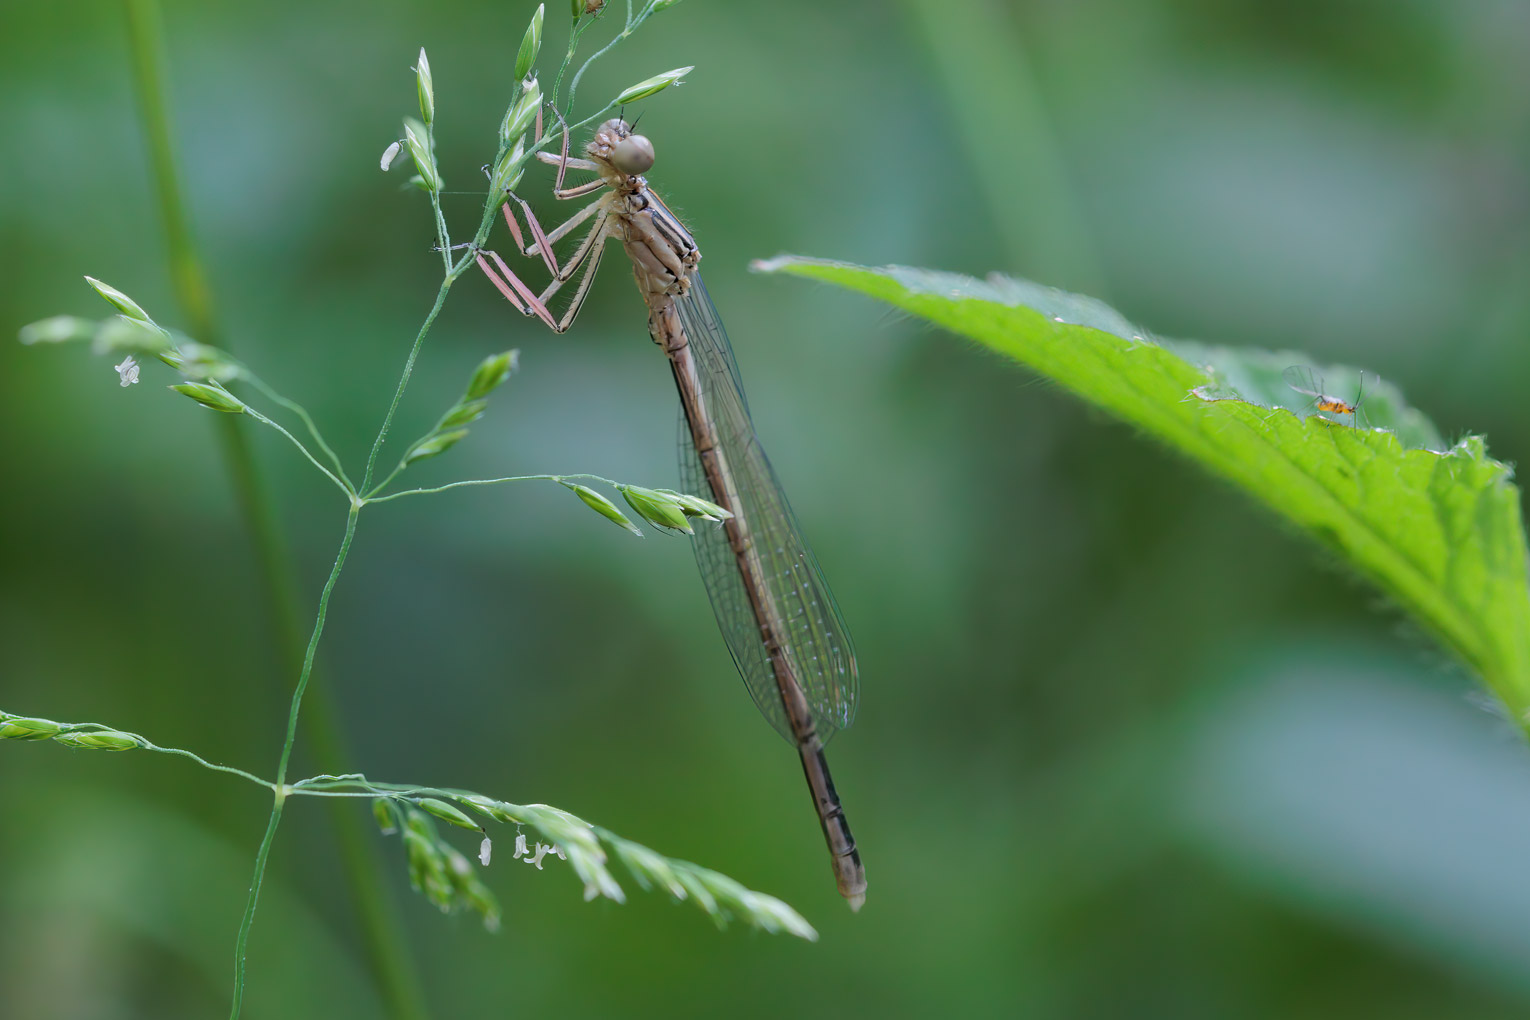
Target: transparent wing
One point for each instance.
(1301, 379)
(816, 641)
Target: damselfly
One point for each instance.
(775, 610)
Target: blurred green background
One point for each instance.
(1125, 747)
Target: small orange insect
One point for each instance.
(1301, 379)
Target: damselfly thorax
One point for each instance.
(662, 251)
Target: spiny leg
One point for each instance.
(582, 290)
(544, 241)
(519, 295)
(516, 292)
(592, 241)
(541, 246)
(573, 162)
(564, 162)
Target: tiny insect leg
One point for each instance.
(541, 245)
(518, 294)
(573, 162)
(596, 237)
(545, 240)
(564, 162)
(582, 290)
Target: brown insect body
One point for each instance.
(794, 643)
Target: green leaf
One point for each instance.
(1436, 528)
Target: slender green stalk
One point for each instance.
(455, 485)
(486, 481)
(441, 229)
(579, 28)
(627, 29)
(302, 413)
(146, 744)
(243, 940)
(313, 642)
(344, 487)
(587, 848)
(180, 752)
(280, 799)
(403, 382)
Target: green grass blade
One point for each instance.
(1437, 528)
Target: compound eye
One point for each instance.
(632, 155)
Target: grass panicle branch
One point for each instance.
(441, 871)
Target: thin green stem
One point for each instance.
(380, 486)
(360, 786)
(344, 486)
(241, 773)
(242, 942)
(302, 413)
(313, 641)
(146, 744)
(403, 382)
(453, 271)
(579, 28)
(479, 481)
(628, 29)
(264, 853)
(443, 236)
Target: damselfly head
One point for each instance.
(615, 143)
(633, 155)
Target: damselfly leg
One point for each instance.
(586, 256)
